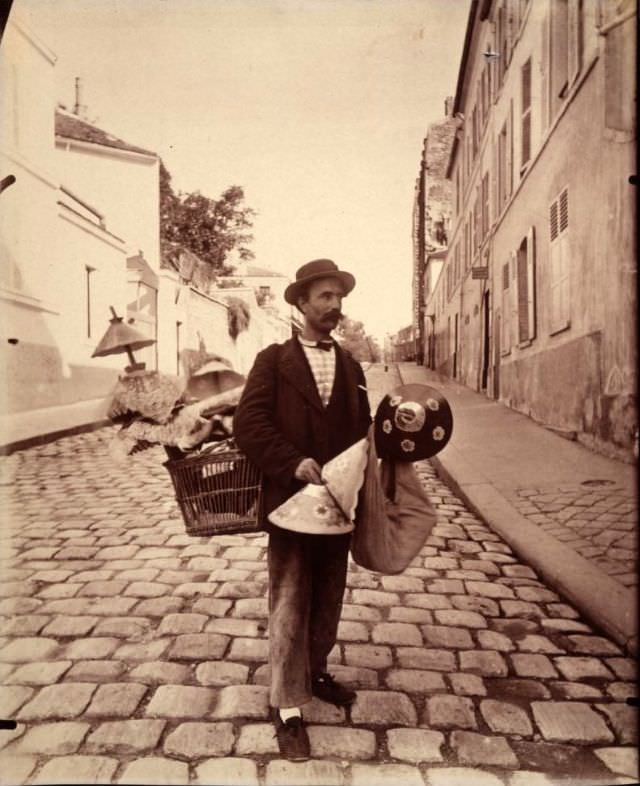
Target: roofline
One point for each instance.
(465, 55)
(98, 147)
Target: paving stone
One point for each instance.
(85, 769)
(576, 668)
(415, 681)
(235, 627)
(117, 699)
(159, 607)
(246, 649)
(383, 708)
(478, 749)
(519, 571)
(575, 690)
(429, 659)
(415, 745)
(489, 589)
(477, 603)
(505, 718)
(398, 633)
(70, 626)
(180, 701)
(624, 720)
(25, 625)
(424, 600)
(521, 608)
(38, 673)
(467, 684)
(367, 655)
(227, 770)
(517, 689)
(488, 568)
(625, 668)
(621, 691)
(536, 594)
(488, 663)
(142, 651)
(97, 647)
(151, 770)
(461, 619)
(354, 677)
(530, 778)
(514, 628)
(66, 700)
(402, 584)
(132, 628)
(341, 743)
(125, 737)
(363, 613)
(462, 776)
(51, 739)
(193, 740)
(12, 697)
(533, 642)
(222, 673)
(28, 649)
(533, 665)
(562, 625)
(375, 598)
(247, 608)
(182, 623)
(564, 721)
(161, 671)
(449, 712)
(445, 586)
(103, 589)
(593, 645)
(321, 713)
(623, 761)
(16, 769)
(403, 614)
(384, 774)
(242, 701)
(199, 646)
(95, 670)
(241, 589)
(288, 773)
(446, 636)
(256, 739)
(492, 640)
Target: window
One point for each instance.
(485, 205)
(88, 299)
(525, 122)
(526, 290)
(576, 38)
(505, 162)
(501, 32)
(559, 263)
(566, 44)
(619, 76)
(505, 338)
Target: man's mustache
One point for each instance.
(333, 315)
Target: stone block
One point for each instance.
(375, 598)
(446, 636)
(194, 740)
(289, 773)
(383, 708)
(38, 673)
(66, 700)
(622, 761)
(235, 627)
(362, 613)
(398, 633)
(462, 776)
(352, 631)
(103, 589)
(489, 589)
(247, 608)
(367, 655)
(256, 739)
(449, 712)
(151, 770)
(116, 700)
(70, 626)
(415, 681)
(12, 697)
(142, 651)
(477, 603)
(404, 614)
(460, 619)
(593, 645)
(429, 659)
(385, 774)
(533, 642)
(520, 608)
(467, 684)
(505, 718)
(492, 640)
(82, 769)
(180, 701)
(402, 584)
(445, 586)
(159, 607)
(415, 745)
(126, 737)
(249, 649)
(536, 594)
(479, 750)
(16, 769)
(199, 646)
(577, 668)
(160, 671)
(533, 665)
(50, 739)
(517, 689)
(242, 701)
(575, 690)
(424, 600)
(336, 742)
(220, 672)
(176, 624)
(95, 671)
(624, 719)
(227, 770)
(570, 721)
(487, 663)
(28, 650)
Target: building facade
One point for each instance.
(536, 303)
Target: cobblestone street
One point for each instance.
(133, 653)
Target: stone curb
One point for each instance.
(609, 605)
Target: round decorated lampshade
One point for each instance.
(413, 422)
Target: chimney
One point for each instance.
(79, 108)
(448, 106)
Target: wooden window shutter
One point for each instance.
(575, 39)
(523, 294)
(531, 282)
(505, 344)
(559, 259)
(525, 149)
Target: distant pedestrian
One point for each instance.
(304, 403)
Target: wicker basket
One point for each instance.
(219, 492)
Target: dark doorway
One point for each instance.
(455, 347)
(486, 342)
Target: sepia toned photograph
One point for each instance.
(318, 402)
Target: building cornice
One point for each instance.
(68, 143)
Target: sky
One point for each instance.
(317, 108)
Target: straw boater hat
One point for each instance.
(317, 268)
(412, 422)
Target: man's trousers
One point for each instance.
(307, 579)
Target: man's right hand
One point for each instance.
(309, 471)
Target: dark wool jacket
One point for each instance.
(280, 419)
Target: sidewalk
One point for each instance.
(568, 512)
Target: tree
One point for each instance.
(209, 228)
(352, 337)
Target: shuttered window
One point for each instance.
(505, 339)
(559, 260)
(526, 290)
(525, 147)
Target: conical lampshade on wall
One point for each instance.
(122, 338)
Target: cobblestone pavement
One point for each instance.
(132, 653)
(599, 521)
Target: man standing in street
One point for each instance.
(304, 403)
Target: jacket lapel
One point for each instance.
(351, 383)
(294, 366)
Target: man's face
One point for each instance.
(322, 306)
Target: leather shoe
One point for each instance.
(326, 688)
(293, 740)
